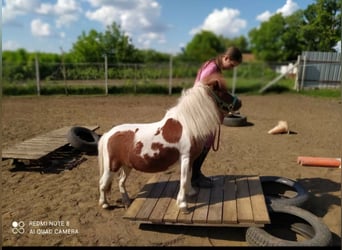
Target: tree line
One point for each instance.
(317, 28)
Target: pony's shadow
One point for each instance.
(320, 199)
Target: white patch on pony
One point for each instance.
(146, 134)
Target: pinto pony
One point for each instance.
(178, 137)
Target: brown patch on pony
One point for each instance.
(162, 159)
(172, 131)
(119, 144)
(122, 151)
(157, 132)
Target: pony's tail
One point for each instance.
(100, 154)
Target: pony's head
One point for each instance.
(218, 90)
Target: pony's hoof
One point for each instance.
(184, 210)
(127, 203)
(192, 192)
(105, 205)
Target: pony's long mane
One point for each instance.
(197, 112)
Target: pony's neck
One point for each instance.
(197, 112)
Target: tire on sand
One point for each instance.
(283, 191)
(235, 120)
(298, 220)
(83, 139)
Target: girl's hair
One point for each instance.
(233, 53)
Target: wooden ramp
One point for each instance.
(232, 201)
(40, 146)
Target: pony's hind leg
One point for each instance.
(125, 171)
(105, 187)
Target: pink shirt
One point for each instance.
(208, 68)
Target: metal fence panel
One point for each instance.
(320, 70)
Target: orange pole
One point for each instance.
(319, 161)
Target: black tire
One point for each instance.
(313, 230)
(275, 188)
(235, 120)
(83, 139)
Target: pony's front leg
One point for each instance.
(185, 187)
(126, 200)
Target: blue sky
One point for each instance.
(162, 25)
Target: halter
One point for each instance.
(222, 104)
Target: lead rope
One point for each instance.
(218, 139)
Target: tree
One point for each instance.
(293, 41)
(322, 25)
(203, 46)
(117, 45)
(113, 42)
(266, 42)
(87, 48)
(240, 42)
(317, 28)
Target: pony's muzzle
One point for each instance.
(236, 105)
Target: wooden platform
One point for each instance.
(40, 146)
(232, 201)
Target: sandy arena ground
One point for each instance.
(71, 196)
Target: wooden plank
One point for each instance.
(186, 218)
(140, 199)
(148, 206)
(216, 201)
(244, 208)
(172, 211)
(201, 212)
(229, 201)
(260, 212)
(233, 201)
(37, 147)
(163, 202)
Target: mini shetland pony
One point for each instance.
(178, 137)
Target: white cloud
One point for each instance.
(286, 10)
(65, 11)
(39, 28)
(10, 45)
(145, 39)
(264, 16)
(140, 19)
(14, 8)
(105, 14)
(224, 22)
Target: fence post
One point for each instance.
(170, 76)
(296, 86)
(106, 73)
(64, 72)
(37, 74)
